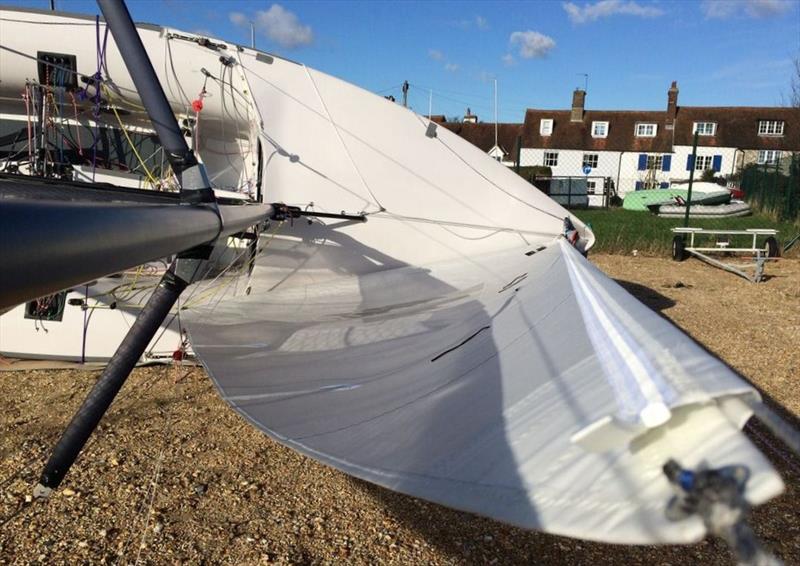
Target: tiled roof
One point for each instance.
(736, 127)
(482, 135)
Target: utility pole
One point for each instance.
(252, 35)
(405, 94)
(430, 103)
(495, 114)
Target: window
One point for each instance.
(546, 127)
(705, 128)
(646, 130)
(769, 156)
(550, 158)
(703, 162)
(770, 127)
(590, 160)
(591, 187)
(599, 129)
(49, 308)
(655, 162)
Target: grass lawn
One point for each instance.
(621, 231)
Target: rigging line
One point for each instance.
(222, 124)
(247, 121)
(210, 290)
(147, 172)
(443, 223)
(168, 58)
(209, 268)
(205, 314)
(146, 511)
(166, 438)
(27, 97)
(488, 180)
(341, 140)
(39, 23)
(72, 72)
(375, 149)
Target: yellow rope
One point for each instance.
(215, 290)
(147, 172)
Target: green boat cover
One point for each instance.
(640, 200)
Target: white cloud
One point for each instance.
(605, 8)
(278, 24)
(508, 60)
(238, 18)
(451, 67)
(532, 44)
(478, 22)
(722, 9)
(435, 54)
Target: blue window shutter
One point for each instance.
(690, 163)
(717, 163)
(666, 162)
(664, 185)
(638, 185)
(642, 161)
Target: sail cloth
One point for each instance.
(454, 347)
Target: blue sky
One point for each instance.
(721, 52)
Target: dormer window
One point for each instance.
(646, 130)
(770, 127)
(705, 128)
(599, 129)
(546, 127)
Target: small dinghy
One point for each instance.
(730, 210)
(647, 200)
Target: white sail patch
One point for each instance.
(642, 395)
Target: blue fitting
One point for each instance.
(686, 480)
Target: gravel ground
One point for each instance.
(174, 476)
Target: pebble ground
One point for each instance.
(174, 476)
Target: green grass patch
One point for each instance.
(620, 231)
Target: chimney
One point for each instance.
(672, 105)
(578, 100)
(470, 118)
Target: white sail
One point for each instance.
(454, 346)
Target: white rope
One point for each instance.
(341, 141)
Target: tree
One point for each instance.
(794, 93)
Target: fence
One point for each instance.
(574, 179)
(774, 188)
(575, 192)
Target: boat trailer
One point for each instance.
(767, 251)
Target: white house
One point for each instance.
(650, 149)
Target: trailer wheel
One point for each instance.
(678, 248)
(771, 247)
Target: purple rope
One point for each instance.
(98, 80)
